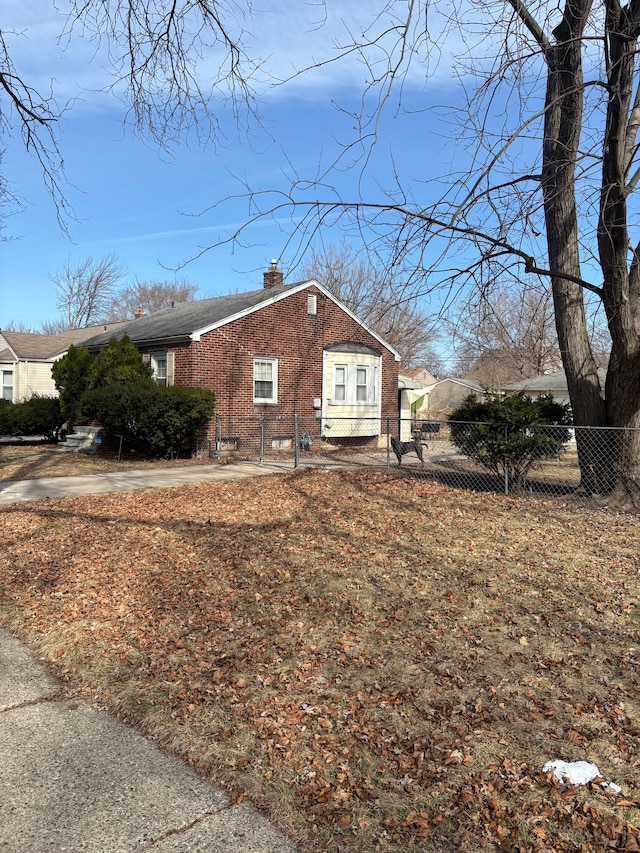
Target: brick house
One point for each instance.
(271, 353)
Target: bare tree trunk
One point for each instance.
(563, 122)
(621, 291)
(587, 402)
(623, 445)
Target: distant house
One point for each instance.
(554, 384)
(434, 398)
(549, 383)
(26, 359)
(273, 352)
(420, 375)
(408, 389)
(415, 383)
(448, 394)
(494, 368)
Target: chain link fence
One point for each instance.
(474, 456)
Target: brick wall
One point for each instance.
(222, 361)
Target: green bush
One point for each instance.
(156, 420)
(71, 375)
(78, 371)
(6, 417)
(507, 435)
(40, 416)
(35, 416)
(119, 363)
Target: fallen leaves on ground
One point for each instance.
(380, 663)
(35, 461)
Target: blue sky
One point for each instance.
(146, 207)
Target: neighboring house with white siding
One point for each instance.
(26, 359)
(554, 384)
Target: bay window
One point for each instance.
(354, 384)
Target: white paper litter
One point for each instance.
(575, 773)
(578, 773)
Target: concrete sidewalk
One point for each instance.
(74, 779)
(16, 491)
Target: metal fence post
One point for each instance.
(388, 444)
(261, 457)
(218, 439)
(296, 439)
(506, 464)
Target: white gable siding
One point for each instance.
(33, 377)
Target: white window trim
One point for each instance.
(157, 357)
(4, 386)
(339, 400)
(351, 374)
(274, 379)
(169, 359)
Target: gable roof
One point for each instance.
(555, 383)
(406, 383)
(421, 375)
(472, 384)
(190, 320)
(33, 346)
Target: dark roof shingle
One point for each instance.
(185, 318)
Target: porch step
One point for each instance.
(81, 440)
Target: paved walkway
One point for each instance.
(74, 779)
(16, 491)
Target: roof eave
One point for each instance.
(151, 341)
(197, 334)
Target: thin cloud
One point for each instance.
(176, 233)
(297, 36)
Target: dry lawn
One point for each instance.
(35, 461)
(379, 664)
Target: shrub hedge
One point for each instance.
(153, 419)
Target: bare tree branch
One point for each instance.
(181, 63)
(34, 116)
(375, 296)
(148, 296)
(85, 290)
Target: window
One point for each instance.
(7, 385)
(312, 304)
(280, 443)
(265, 380)
(354, 384)
(362, 388)
(159, 365)
(339, 384)
(163, 366)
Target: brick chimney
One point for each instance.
(139, 313)
(273, 277)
